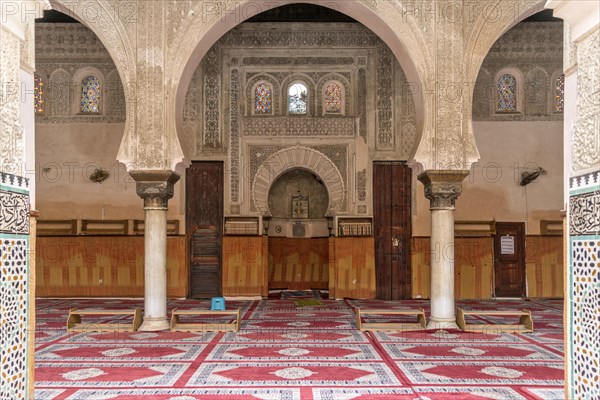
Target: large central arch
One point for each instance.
(388, 20)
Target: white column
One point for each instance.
(442, 269)
(442, 188)
(155, 269)
(156, 188)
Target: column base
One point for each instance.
(154, 324)
(442, 323)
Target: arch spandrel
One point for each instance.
(488, 21)
(108, 21)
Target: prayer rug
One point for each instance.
(308, 303)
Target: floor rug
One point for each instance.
(293, 349)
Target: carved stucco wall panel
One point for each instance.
(11, 131)
(586, 133)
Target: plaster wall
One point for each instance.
(67, 154)
(492, 190)
(72, 146)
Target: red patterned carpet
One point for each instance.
(285, 351)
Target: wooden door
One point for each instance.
(392, 229)
(509, 259)
(204, 227)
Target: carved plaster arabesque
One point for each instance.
(442, 188)
(307, 126)
(212, 98)
(362, 103)
(586, 133)
(234, 135)
(298, 157)
(11, 131)
(385, 137)
(361, 185)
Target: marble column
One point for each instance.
(442, 188)
(156, 188)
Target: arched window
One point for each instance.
(90, 95)
(38, 94)
(297, 99)
(507, 93)
(333, 98)
(559, 94)
(263, 98)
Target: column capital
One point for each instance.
(442, 187)
(156, 187)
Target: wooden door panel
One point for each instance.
(392, 228)
(509, 259)
(204, 216)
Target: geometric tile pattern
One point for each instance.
(14, 251)
(584, 313)
(583, 306)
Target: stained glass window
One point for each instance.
(507, 93)
(90, 95)
(333, 99)
(263, 99)
(38, 95)
(559, 103)
(297, 99)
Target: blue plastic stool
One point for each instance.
(217, 303)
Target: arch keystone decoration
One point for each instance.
(303, 158)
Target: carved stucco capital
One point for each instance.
(442, 188)
(155, 187)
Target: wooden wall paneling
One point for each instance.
(544, 260)
(298, 263)
(473, 267)
(332, 267)
(355, 267)
(102, 266)
(421, 267)
(243, 266)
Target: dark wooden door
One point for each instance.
(509, 259)
(392, 229)
(204, 227)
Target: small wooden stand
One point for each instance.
(74, 321)
(177, 326)
(391, 326)
(525, 322)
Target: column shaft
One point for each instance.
(442, 188)
(442, 269)
(155, 269)
(156, 188)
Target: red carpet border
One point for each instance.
(285, 352)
